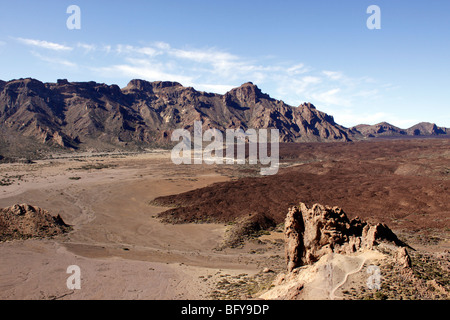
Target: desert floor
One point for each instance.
(125, 252)
(122, 249)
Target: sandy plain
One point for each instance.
(122, 249)
(125, 251)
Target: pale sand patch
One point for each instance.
(40, 268)
(122, 250)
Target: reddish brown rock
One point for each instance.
(22, 221)
(403, 258)
(293, 230)
(311, 233)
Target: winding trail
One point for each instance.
(340, 284)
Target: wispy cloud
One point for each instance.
(331, 97)
(351, 117)
(55, 61)
(142, 69)
(210, 55)
(87, 47)
(297, 69)
(216, 70)
(44, 44)
(333, 75)
(219, 70)
(131, 50)
(219, 88)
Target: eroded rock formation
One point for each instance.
(311, 233)
(23, 221)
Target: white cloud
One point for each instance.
(310, 80)
(215, 70)
(133, 50)
(217, 88)
(148, 51)
(333, 75)
(211, 56)
(297, 69)
(331, 97)
(44, 44)
(87, 47)
(352, 117)
(366, 93)
(212, 69)
(162, 45)
(55, 60)
(107, 48)
(140, 69)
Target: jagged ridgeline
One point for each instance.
(36, 117)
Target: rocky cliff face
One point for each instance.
(311, 233)
(77, 115)
(324, 249)
(66, 115)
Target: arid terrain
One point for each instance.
(144, 228)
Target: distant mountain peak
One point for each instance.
(25, 83)
(386, 129)
(249, 92)
(307, 105)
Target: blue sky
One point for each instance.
(296, 51)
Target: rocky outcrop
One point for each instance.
(23, 221)
(311, 233)
(324, 249)
(402, 258)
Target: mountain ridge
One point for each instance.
(38, 117)
(387, 129)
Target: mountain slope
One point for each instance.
(38, 116)
(385, 129)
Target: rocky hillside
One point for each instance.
(38, 116)
(22, 221)
(312, 232)
(329, 256)
(385, 129)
